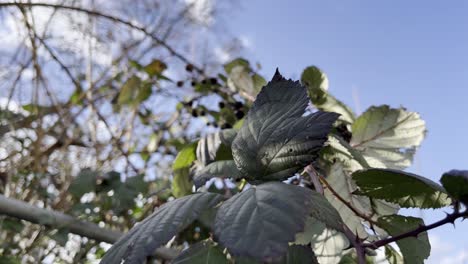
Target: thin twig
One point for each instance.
(160, 41)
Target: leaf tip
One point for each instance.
(277, 77)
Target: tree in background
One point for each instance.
(128, 111)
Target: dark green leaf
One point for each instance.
(317, 85)
(182, 184)
(296, 254)
(414, 249)
(126, 192)
(456, 184)
(204, 252)
(10, 260)
(60, 236)
(84, 182)
(158, 228)
(12, 224)
(403, 188)
(221, 169)
(388, 137)
(260, 221)
(276, 140)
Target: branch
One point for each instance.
(158, 40)
(24, 211)
(450, 218)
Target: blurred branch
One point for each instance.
(160, 41)
(24, 211)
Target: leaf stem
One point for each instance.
(345, 202)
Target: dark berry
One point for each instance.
(194, 113)
(193, 83)
(202, 112)
(189, 67)
(203, 81)
(213, 81)
(180, 83)
(238, 105)
(214, 124)
(221, 105)
(239, 114)
(226, 125)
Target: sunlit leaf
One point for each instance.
(388, 137)
(182, 184)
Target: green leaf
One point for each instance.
(317, 85)
(392, 256)
(159, 228)
(42, 109)
(144, 92)
(414, 249)
(403, 188)
(258, 82)
(129, 90)
(236, 62)
(221, 169)
(456, 184)
(155, 68)
(84, 182)
(276, 140)
(204, 252)
(182, 184)
(260, 221)
(388, 137)
(338, 149)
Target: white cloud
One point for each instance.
(443, 251)
(201, 11)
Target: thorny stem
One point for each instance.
(450, 218)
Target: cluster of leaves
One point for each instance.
(356, 184)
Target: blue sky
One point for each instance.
(401, 53)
